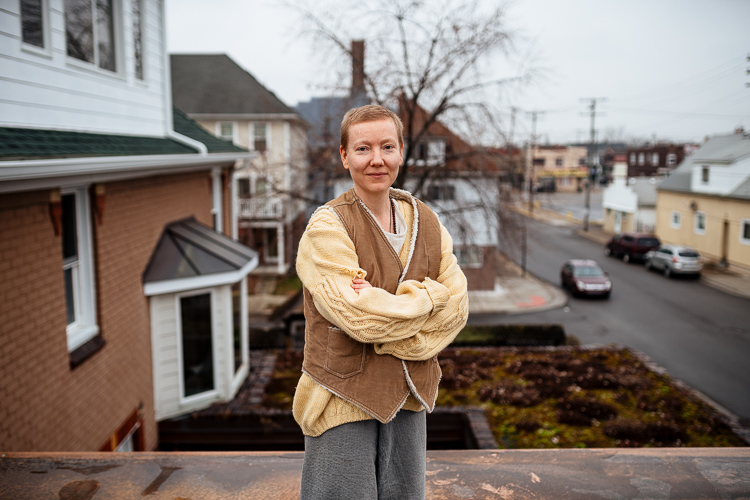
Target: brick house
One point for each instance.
(96, 168)
(656, 160)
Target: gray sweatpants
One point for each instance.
(367, 460)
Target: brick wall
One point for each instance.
(44, 404)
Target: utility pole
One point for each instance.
(509, 148)
(530, 170)
(592, 161)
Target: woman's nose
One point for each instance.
(377, 158)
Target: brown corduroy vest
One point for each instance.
(377, 384)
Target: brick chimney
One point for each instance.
(358, 68)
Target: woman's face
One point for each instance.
(372, 156)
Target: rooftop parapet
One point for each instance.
(697, 473)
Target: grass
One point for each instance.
(569, 397)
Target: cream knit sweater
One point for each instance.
(416, 323)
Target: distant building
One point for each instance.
(269, 190)
(629, 204)
(558, 168)
(705, 202)
(656, 160)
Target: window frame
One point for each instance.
(641, 159)
(675, 222)
(744, 223)
(705, 174)
(671, 159)
(655, 159)
(267, 136)
(143, 26)
(45, 49)
(206, 395)
(84, 327)
(223, 137)
(700, 215)
(465, 256)
(117, 40)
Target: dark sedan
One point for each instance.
(585, 277)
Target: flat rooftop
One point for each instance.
(580, 474)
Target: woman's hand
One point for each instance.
(359, 284)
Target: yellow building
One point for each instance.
(705, 202)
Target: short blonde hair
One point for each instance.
(370, 113)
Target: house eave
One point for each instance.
(197, 282)
(26, 175)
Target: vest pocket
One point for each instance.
(345, 357)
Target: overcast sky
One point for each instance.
(670, 69)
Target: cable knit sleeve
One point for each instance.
(327, 263)
(444, 324)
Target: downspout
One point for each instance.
(167, 89)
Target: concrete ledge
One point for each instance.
(697, 473)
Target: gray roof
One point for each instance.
(723, 149)
(718, 149)
(215, 84)
(189, 249)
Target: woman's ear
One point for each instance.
(342, 152)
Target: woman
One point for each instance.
(383, 296)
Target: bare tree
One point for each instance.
(445, 67)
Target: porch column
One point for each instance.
(281, 261)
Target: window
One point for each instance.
(469, 257)
(441, 192)
(197, 350)
(225, 130)
(539, 162)
(78, 268)
(436, 152)
(582, 161)
(654, 159)
(138, 38)
(632, 158)
(558, 162)
(90, 32)
(700, 222)
(641, 159)
(260, 139)
(243, 187)
(671, 159)
(33, 29)
(675, 220)
(705, 174)
(745, 231)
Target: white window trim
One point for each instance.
(217, 133)
(213, 393)
(672, 223)
(85, 327)
(252, 135)
(119, 40)
(144, 41)
(217, 204)
(46, 50)
(695, 223)
(743, 223)
(238, 374)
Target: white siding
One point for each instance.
(165, 347)
(723, 179)
(47, 89)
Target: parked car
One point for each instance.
(673, 259)
(585, 277)
(631, 246)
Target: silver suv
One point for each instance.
(673, 259)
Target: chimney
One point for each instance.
(358, 68)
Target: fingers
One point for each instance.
(360, 284)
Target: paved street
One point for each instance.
(699, 334)
(573, 203)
